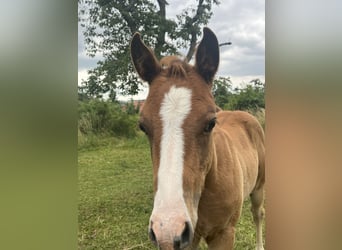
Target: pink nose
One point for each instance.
(170, 233)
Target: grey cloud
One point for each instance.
(243, 24)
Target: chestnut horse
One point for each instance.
(205, 161)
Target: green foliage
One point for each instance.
(98, 117)
(252, 97)
(108, 28)
(222, 91)
(131, 109)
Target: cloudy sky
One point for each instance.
(241, 22)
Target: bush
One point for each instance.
(222, 91)
(105, 118)
(252, 97)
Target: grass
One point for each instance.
(115, 197)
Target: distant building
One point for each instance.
(137, 104)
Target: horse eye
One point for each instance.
(142, 128)
(210, 125)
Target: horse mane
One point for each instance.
(174, 67)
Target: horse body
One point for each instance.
(205, 162)
(238, 166)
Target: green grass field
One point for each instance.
(115, 197)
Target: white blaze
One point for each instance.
(174, 109)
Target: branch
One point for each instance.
(193, 33)
(223, 44)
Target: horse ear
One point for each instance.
(207, 56)
(144, 60)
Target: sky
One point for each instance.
(241, 22)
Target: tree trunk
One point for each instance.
(193, 34)
(161, 36)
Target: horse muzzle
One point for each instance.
(173, 233)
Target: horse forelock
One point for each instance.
(174, 67)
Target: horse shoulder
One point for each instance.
(246, 138)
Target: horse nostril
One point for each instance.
(183, 240)
(186, 235)
(177, 243)
(152, 235)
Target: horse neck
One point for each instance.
(212, 159)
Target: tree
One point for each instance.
(252, 97)
(222, 91)
(109, 26)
